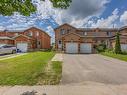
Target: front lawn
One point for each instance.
(30, 69)
(113, 55)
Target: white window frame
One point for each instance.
(85, 33)
(30, 33)
(16, 34)
(62, 32)
(37, 33)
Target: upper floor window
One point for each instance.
(30, 33)
(95, 33)
(62, 32)
(68, 30)
(85, 33)
(16, 34)
(60, 41)
(37, 33)
(109, 33)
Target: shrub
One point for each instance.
(117, 45)
(101, 47)
(124, 52)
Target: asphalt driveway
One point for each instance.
(84, 68)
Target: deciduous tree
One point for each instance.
(26, 7)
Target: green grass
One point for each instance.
(117, 56)
(28, 69)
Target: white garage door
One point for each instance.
(22, 46)
(2, 45)
(85, 48)
(124, 47)
(71, 47)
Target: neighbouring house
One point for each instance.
(83, 40)
(25, 40)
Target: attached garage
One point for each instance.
(85, 48)
(71, 48)
(124, 47)
(2, 45)
(23, 47)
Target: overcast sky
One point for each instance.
(81, 13)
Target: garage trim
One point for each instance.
(71, 47)
(22, 46)
(86, 48)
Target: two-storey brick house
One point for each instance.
(24, 40)
(83, 40)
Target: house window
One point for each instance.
(39, 42)
(85, 33)
(37, 33)
(30, 33)
(60, 42)
(16, 34)
(109, 33)
(62, 32)
(95, 34)
(68, 30)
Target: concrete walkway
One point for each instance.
(58, 57)
(12, 56)
(88, 89)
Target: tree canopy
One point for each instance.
(26, 7)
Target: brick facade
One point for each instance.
(36, 38)
(94, 36)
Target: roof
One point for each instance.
(121, 36)
(65, 24)
(125, 27)
(71, 33)
(6, 38)
(23, 30)
(22, 35)
(103, 29)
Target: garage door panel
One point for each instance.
(22, 46)
(85, 48)
(71, 47)
(124, 47)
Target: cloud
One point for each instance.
(2, 28)
(78, 14)
(123, 18)
(50, 31)
(80, 11)
(83, 8)
(107, 22)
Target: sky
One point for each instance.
(81, 13)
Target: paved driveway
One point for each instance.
(93, 68)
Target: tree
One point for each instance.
(26, 7)
(117, 44)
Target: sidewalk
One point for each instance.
(98, 89)
(58, 57)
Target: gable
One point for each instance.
(22, 38)
(71, 37)
(65, 26)
(34, 30)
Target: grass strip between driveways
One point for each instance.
(30, 69)
(117, 56)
